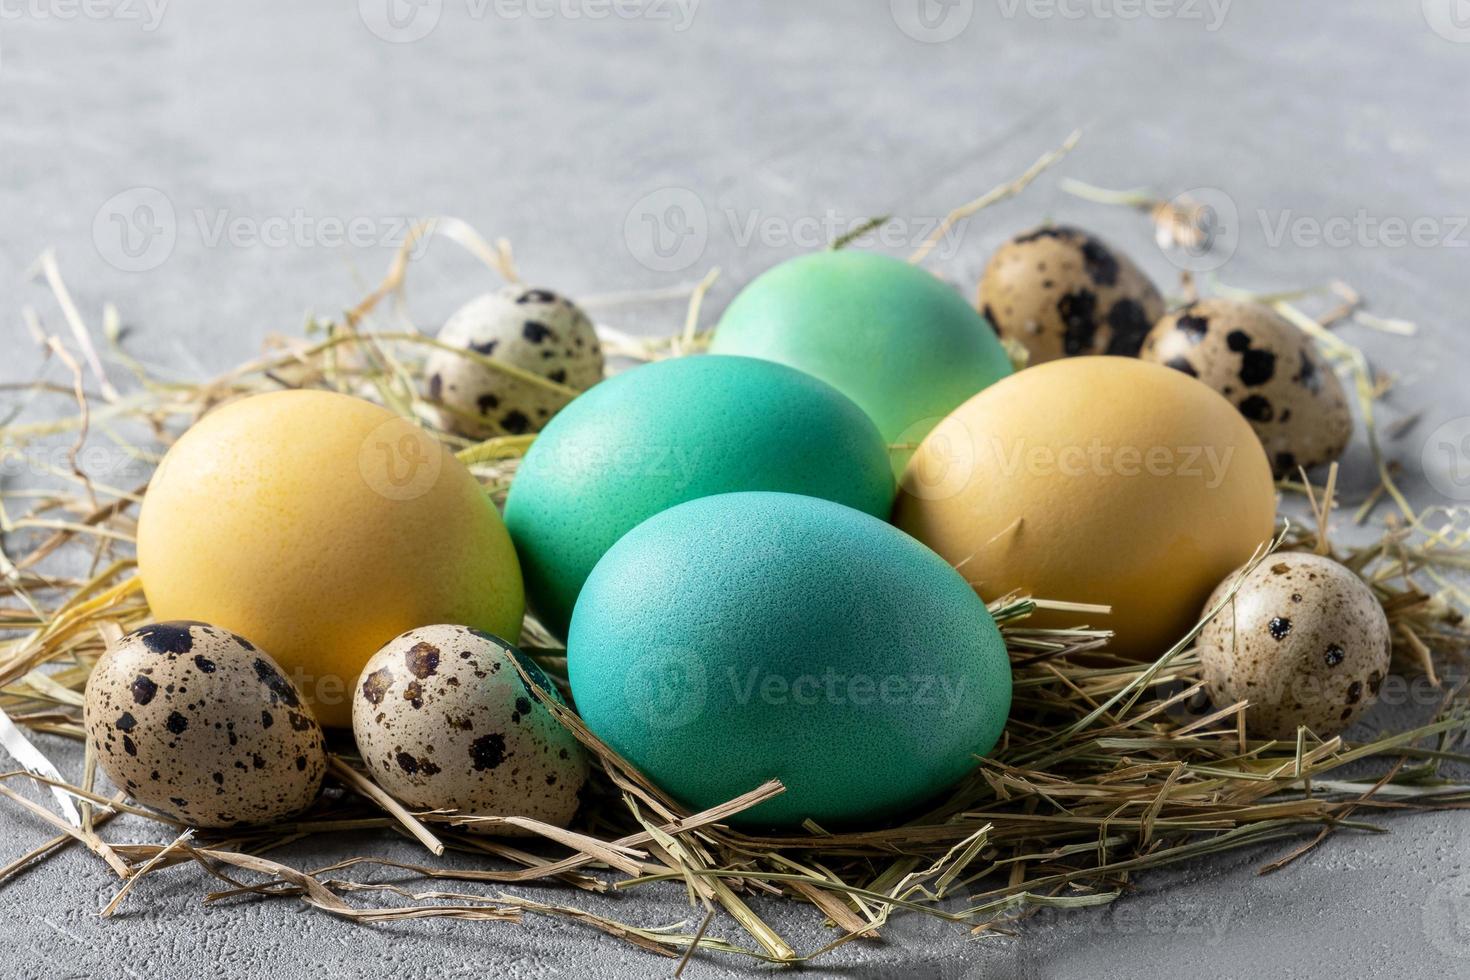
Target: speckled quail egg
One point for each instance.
(1304, 640)
(532, 329)
(1061, 292)
(444, 722)
(196, 722)
(1268, 369)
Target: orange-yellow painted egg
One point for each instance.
(321, 526)
(1101, 480)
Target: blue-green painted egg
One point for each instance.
(673, 431)
(748, 636)
(892, 337)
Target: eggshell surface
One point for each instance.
(321, 526)
(1102, 480)
(444, 721)
(750, 636)
(1268, 368)
(535, 330)
(673, 431)
(892, 337)
(1063, 292)
(1303, 640)
(200, 724)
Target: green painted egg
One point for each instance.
(893, 338)
(748, 636)
(673, 431)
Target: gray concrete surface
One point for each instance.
(217, 170)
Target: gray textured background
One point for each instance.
(200, 165)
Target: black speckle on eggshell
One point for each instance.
(473, 738)
(529, 329)
(422, 660)
(144, 690)
(376, 686)
(488, 752)
(1062, 292)
(171, 637)
(1257, 408)
(536, 332)
(1099, 261)
(196, 738)
(1268, 368)
(1193, 328)
(281, 690)
(1079, 315)
(1331, 653)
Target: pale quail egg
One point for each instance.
(1061, 292)
(196, 722)
(1268, 369)
(1304, 640)
(444, 722)
(532, 329)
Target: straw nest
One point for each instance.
(1108, 767)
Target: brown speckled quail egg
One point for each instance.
(1304, 640)
(1062, 292)
(444, 722)
(533, 329)
(196, 722)
(1268, 369)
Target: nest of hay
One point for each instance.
(1108, 767)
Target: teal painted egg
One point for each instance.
(893, 338)
(748, 636)
(673, 431)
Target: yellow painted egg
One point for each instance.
(1102, 480)
(321, 526)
